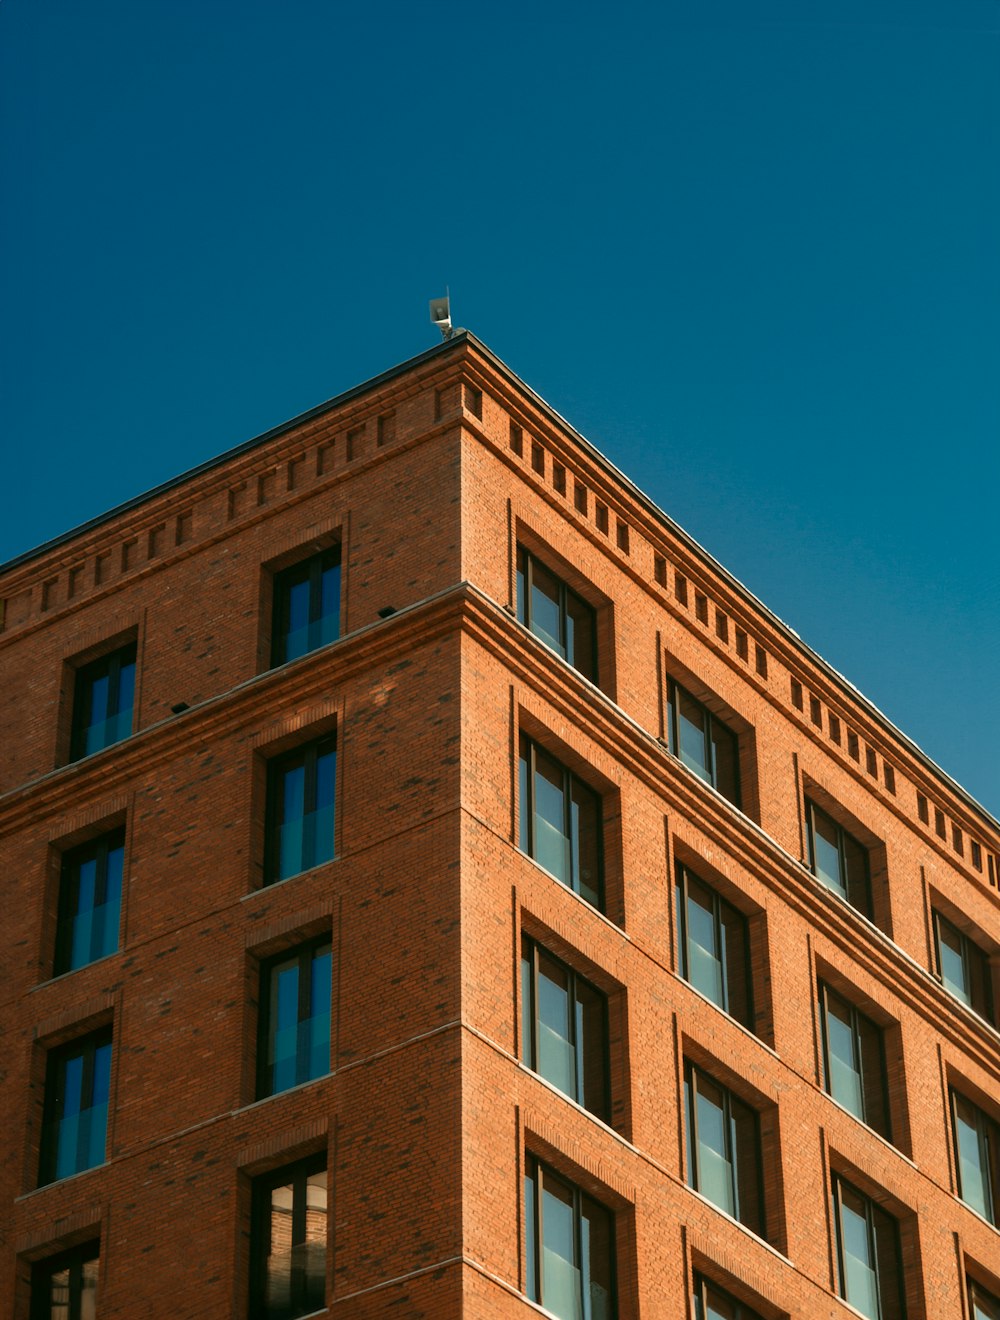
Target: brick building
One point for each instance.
(436, 888)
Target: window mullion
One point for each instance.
(535, 1061)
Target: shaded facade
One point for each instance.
(436, 888)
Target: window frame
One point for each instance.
(530, 1023)
(844, 890)
(683, 876)
(535, 1175)
(305, 956)
(306, 755)
(980, 1298)
(872, 1210)
(710, 775)
(297, 1175)
(730, 1155)
(525, 563)
(527, 772)
(309, 569)
(700, 1301)
(57, 1058)
(74, 1259)
(987, 1131)
(970, 953)
(108, 665)
(73, 859)
(857, 1018)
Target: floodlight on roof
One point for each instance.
(441, 315)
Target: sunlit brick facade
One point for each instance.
(434, 887)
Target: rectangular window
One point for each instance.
(564, 1025)
(963, 967)
(104, 693)
(713, 947)
(570, 1256)
(288, 1242)
(294, 1037)
(561, 823)
(977, 1157)
(306, 606)
(869, 1274)
(65, 1286)
(723, 1149)
(556, 615)
(854, 1070)
(300, 798)
(837, 859)
(77, 1086)
(982, 1304)
(702, 742)
(711, 1303)
(90, 895)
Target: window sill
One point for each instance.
(60, 1182)
(751, 1035)
(278, 1095)
(74, 971)
(275, 886)
(872, 1131)
(578, 897)
(763, 1242)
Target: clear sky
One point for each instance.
(750, 248)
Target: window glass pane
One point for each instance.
(735, 962)
(592, 1048)
(953, 971)
(580, 637)
(319, 823)
(293, 780)
(890, 1279)
(704, 962)
(328, 628)
(296, 640)
(826, 851)
(746, 1154)
(556, 1056)
(562, 1291)
(585, 819)
(691, 733)
(107, 914)
(125, 700)
(524, 803)
(725, 761)
(318, 1043)
(984, 1305)
(88, 1290)
(522, 602)
(856, 869)
(873, 1079)
(545, 610)
(970, 1139)
(284, 1011)
(860, 1286)
(844, 1080)
(552, 845)
(715, 1170)
(597, 1250)
(98, 1114)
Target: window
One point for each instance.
(102, 702)
(65, 1287)
(982, 1305)
(869, 1273)
(711, 1303)
(556, 615)
(294, 1044)
(702, 742)
(306, 606)
(300, 809)
(713, 947)
(564, 1025)
(854, 1070)
(977, 1157)
(963, 967)
(90, 895)
(723, 1149)
(561, 823)
(570, 1264)
(77, 1086)
(837, 859)
(288, 1242)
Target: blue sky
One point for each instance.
(750, 248)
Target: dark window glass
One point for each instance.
(713, 947)
(76, 1107)
(570, 1257)
(294, 1042)
(868, 1260)
(853, 1060)
(65, 1287)
(982, 1304)
(556, 615)
(711, 1303)
(963, 967)
(564, 1022)
(300, 796)
(723, 1149)
(702, 742)
(288, 1242)
(306, 606)
(90, 895)
(102, 703)
(977, 1157)
(561, 823)
(837, 859)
